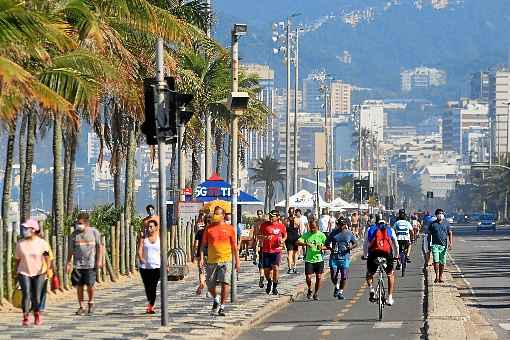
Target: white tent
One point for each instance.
(340, 204)
(304, 199)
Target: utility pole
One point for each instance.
(296, 129)
(317, 188)
(287, 125)
(326, 139)
(331, 146)
(208, 120)
(359, 158)
(237, 31)
(159, 103)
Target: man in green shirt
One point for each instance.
(314, 241)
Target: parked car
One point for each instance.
(487, 222)
(475, 217)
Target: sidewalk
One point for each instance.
(120, 311)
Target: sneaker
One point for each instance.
(390, 301)
(150, 309)
(38, 319)
(92, 308)
(398, 266)
(269, 286)
(261, 282)
(289, 271)
(371, 298)
(316, 297)
(294, 271)
(81, 311)
(221, 312)
(215, 307)
(341, 296)
(25, 320)
(408, 260)
(335, 292)
(275, 290)
(309, 294)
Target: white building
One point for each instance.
(499, 101)
(440, 179)
(421, 78)
(340, 98)
(372, 117)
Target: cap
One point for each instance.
(31, 224)
(274, 213)
(341, 221)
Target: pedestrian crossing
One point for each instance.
(335, 326)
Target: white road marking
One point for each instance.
(279, 328)
(333, 326)
(505, 326)
(468, 284)
(388, 324)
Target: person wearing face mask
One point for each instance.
(86, 249)
(32, 263)
(149, 255)
(440, 239)
(151, 216)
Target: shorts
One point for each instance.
(218, 273)
(339, 268)
(84, 277)
(425, 244)
(372, 265)
(438, 253)
(404, 244)
(314, 268)
(291, 245)
(270, 260)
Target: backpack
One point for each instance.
(381, 242)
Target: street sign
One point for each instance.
(189, 210)
(361, 190)
(480, 165)
(430, 194)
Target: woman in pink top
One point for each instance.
(32, 262)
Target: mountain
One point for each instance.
(464, 37)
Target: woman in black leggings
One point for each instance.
(150, 262)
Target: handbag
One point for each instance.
(55, 283)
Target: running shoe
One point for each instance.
(38, 319)
(221, 312)
(81, 311)
(408, 260)
(92, 308)
(25, 321)
(215, 307)
(309, 294)
(294, 271)
(275, 291)
(341, 296)
(398, 266)
(289, 271)
(335, 293)
(268, 287)
(261, 282)
(372, 295)
(150, 309)
(390, 300)
(316, 297)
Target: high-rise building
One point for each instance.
(499, 110)
(312, 101)
(372, 117)
(340, 98)
(421, 78)
(262, 143)
(94, 148)
(480, 85)
(462, 122)
(439, 4)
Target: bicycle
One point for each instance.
(380, 291)
(403, 261)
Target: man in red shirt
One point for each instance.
(272, 235)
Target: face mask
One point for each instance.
(151, 212)
(80, 227)
(217, 218)
(440, 217)
(26, 232)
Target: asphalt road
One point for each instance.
(484, 261)
(353, 318)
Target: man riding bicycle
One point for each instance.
(405, 233)
(380, 241)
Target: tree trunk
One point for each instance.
(266, 198)
(116, 172)
(71, 174)
(6, 201)
(67, 159)
(219, 140)
(58, 191)
(29, 156)
(130, 173)
(22, 144)
(195, 167)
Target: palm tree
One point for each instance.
(269, 172)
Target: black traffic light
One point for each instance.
(361, 190)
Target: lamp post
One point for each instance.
(238, 103)
(317, 194)
(296, 109)
(208, 120)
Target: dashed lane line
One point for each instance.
(333, 326)
(279, 328)
(388, 324)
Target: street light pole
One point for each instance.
(296, 129)
(287, 124)
(159, 103)
(208, 119)
(317, 194)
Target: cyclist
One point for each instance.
(404, 231)
(273, 235)
(380, 241)
(340, 241)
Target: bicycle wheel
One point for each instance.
(403, 262)
(380, 298)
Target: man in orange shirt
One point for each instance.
(220, 240)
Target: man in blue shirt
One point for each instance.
(380, 241)
(340, 241)
(440, 238)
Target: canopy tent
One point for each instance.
(340, 204)
(215, 188)
(304, 200)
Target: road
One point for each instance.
(353, 318)
(484, 261)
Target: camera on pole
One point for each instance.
(161, 123)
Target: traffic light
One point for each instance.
(361, 190)
(163, 124)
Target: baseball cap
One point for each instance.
(274, 213)
(31, 224)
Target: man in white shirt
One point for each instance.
(301, 221)
(325, 222)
